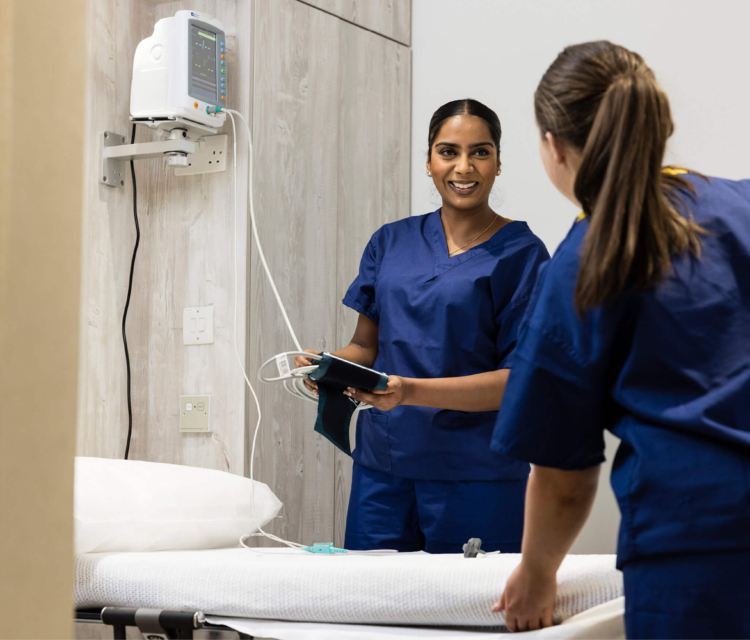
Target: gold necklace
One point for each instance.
(450, 253)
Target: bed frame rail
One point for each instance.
(154, 624)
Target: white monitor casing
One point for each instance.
(161, 69)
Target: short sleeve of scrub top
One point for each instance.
(361, 294)
(552, 412)
(440, 317)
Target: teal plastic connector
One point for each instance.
(324, 547)
(210, 109)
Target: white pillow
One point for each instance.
(147, 506)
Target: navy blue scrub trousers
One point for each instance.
(704, 595)
(387, 512)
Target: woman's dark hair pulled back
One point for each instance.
(602, 100)
(465, 107)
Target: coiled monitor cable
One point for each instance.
(292, 379)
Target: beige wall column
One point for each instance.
(42, 72)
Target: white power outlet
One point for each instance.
(195, 414)
(198, 325)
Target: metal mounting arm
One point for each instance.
(207, 154)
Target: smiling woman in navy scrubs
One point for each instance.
(640, 324)
(440, 297)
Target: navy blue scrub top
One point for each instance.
(667, 371)
(441, 317)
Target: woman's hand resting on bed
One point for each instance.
(557, 505)
(528, 600)
(394, 394)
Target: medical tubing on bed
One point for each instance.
(270, 536)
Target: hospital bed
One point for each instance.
(289, 595)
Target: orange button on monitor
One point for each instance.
(195, 104)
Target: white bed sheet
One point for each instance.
(604, 622)
(415, 589)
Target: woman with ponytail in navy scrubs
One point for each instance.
(440, 297)
(639, 324)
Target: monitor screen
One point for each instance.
(203, 83)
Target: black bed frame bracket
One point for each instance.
(154, 624)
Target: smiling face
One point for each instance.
(464, 162)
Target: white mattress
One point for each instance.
(605, 622)
(416, 589)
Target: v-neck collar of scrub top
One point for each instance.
(444, 263)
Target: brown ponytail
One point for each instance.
(604, 101)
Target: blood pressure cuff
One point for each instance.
(334, 375)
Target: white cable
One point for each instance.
(296, 387)
(252, 217)
(294, 382)
(270, 536)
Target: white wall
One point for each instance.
(497, 50)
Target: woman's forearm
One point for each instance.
(357, 353)
(557, 506)
(363, 347)
(479, 392)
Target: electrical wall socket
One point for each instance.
(195, 414)
(198, 325)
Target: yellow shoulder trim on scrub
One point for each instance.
(581, 216)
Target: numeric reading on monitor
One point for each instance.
(203, 65)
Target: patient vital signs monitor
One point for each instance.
(181, 71)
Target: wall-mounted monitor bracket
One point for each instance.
(190, 147)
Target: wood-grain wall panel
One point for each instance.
(295, 169)
(190, 241)
(329, 106)
(390, 18)
(185, 259)
(375, 108)
(115, 28)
